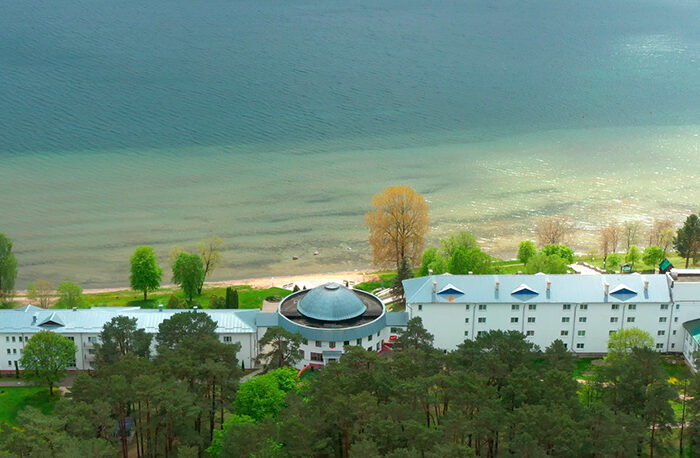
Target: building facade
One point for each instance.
(580, 310)
(329, 318)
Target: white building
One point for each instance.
(581, 310)
(329, 318)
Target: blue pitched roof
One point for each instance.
(450, 289)
(563, 288)
(622, 289)
(92, 320)
(523, 290)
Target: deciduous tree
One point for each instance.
(210, 251)
(188, 272)
(145, 273)
(633, 255)
(563, 251)
(46, 357)
(69, 294)
(41, 291)
(8, 269)
(653, 255)
(434, 261)
(397, 224)
(526, 250)
(630, 232)
(623, 341)
(465, 260)
(547, 264)
(553, 230)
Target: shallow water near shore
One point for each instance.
(271, 124)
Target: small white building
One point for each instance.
(581, 310)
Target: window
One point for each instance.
(7, 338)
(662, 319)
(661, 333)
(369, 348)
(615, 307)
(611, 332)
(482, 307)
(664, 306)
(331, 344)
(318, 343)
(515, 307)
(659, 346)
(480, 333)
(482, 319)
(467, 306)
(26, 338)
(9, 352)
(369, 338)
(630, 319)
(466, 333)
(346, 343)
(678, 306)
(531, 319)
(532, 307)
(583, 306)
(565, 319)
(316, 356)
(582, 319)
(675, 320)
(13, 338)
(530, 333)
(358, 341)
(579, 345)
(632, 307)
(674, 332)
(420, 307)
(564, 333)
(378, 334)
(514, 319)
(91, 351)
(92, 339)
(566, 307)
(581, 333)
(227, 339)
(72, 339)
(613, 319)
(566, 345)
(466, 320)
(673, 345)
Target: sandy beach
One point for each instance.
(287, 282)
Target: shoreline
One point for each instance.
(307, 280)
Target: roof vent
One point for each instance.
(160, 307)
(75, 308)
(498, 285)
(471, 273)
(195, 308)
(607, 288)
(430, 271)
(434, 286)
(549, 285)
(35, 317)
(646, 284)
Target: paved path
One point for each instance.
(251, 374)
(585, 269)
(67, 381)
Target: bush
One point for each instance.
(216, 302)
(175, 303)
(273, 298)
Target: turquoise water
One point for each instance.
(272, 123)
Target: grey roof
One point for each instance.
(92, 320)
(396, 318)
(267, 320)
(331, 302)
(561, 289)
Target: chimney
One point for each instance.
(549, 285)
(471, 273)
(607, 288)
(75, 308)
(195, 308)
(434, 291)
(34, 318)
(160, 307)
(646, 284)
(430, 271)
(498, 285)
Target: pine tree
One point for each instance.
(404, 272)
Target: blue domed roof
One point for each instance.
(331, 302)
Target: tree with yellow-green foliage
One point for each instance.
(397, 225)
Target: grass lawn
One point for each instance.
(386, 278)
(13, 399)
(597, 261)
(248, 297)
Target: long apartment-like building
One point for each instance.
(329, 318)
(581, 310)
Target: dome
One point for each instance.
(331, 302)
